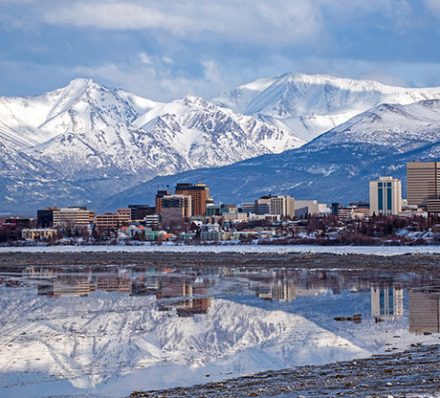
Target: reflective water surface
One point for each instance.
(111, 330)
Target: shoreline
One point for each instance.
(382, 251)
(405, 374)
(322, 261)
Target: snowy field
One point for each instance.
(243, 249)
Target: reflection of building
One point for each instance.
(113, 283)
(66, 286)
(386, 301)
(186, 296)
(282, 288)
(424, 310)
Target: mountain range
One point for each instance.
(93, 145)
(336, 166)
(86, 141)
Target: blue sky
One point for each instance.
(167, 49)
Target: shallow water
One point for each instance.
(109, 331)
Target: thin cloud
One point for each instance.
(279, 21)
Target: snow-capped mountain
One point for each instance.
(336, 166)
(106, 139)
(313, 104)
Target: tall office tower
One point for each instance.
(385, 196)
(158, 201)
(199, 196)
(423, 183)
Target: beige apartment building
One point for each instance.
(108, 221)
(385, 196)
(73, 217)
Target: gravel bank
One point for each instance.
(401, 263)
(413, 373)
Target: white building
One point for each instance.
(385, 196)
(282, 205)
(303, 207)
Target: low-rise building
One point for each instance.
(306, 207)
(39, 233)
(112, 221)
(211, 232)
(73, 217)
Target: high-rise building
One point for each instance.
(385, 196)
(158, 202)
(423, 182)
(199, 196)
(73, 217)
(175, 208)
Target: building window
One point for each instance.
(380, 197)
(389, 197)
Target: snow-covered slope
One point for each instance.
(336, 166)
(313, 104)
(99, 137)
(399, 128)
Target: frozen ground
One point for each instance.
(365, 250)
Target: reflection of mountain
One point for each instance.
(424, 310)
(88, 340)
(386, 302)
